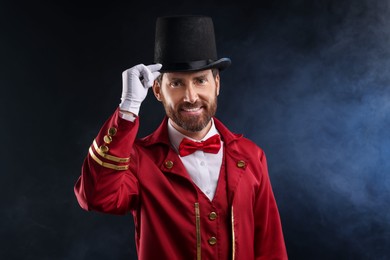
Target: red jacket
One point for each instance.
(146, 177)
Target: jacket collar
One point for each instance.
(161, 136)
(236, 158)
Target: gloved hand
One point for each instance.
(135, 84)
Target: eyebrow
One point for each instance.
(200, 76)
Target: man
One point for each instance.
(196, 190)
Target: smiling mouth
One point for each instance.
(192, 109)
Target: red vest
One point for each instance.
(213, 227)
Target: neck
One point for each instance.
(199, 135)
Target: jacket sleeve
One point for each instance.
(269, 240)
(107, 182)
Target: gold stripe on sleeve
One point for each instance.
(109, 157)
(107, 165)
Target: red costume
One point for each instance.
(173, 218)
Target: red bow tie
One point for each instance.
(211, 145)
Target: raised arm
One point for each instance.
(108, 181)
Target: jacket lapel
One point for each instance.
(169, 159)
(173, 164)
(236, 161)
(236, 164)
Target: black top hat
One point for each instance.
(186, 43)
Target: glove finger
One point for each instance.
(145, 76)
(156, 74)
(137, 70)
(154, 67)
(149, 74)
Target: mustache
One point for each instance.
(187, 105)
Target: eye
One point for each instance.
(175, 84)
(201, 81)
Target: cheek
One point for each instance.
(169, 98)
(209, 95)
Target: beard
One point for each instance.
(192, 123)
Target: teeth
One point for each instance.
(191, 109)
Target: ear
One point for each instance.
(217, 83)
(157, 90)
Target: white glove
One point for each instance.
(135, 84)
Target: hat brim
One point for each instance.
(220, 64)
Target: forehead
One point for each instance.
(187, 74)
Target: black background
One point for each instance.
(309, 83)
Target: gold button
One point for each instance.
(169, 164)
(107, 139)
(104, 148)
(212, 240)
(241, 164)
(213, 216)
(112, 131)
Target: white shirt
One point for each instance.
(204, 168)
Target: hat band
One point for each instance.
(191, 65)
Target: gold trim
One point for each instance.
(107, 165)
(109, 157)
(233, 238)
(198, 241)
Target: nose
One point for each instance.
(191, 95)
